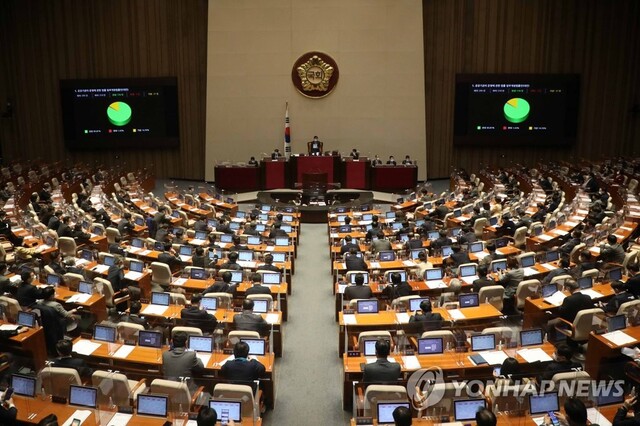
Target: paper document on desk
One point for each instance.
(196, 242)
(145, 252)
(272, 318)
(124, 351)
(79, 298)
(528, 271)
(538, 421)
(555, 299)
(620, 236)
(549, 266)
(534, 355)
(101, 269)
(155, 310)
(596, 418)
(349, 319)
(179, 281)
(132, 275)
(544, 237)
(456, 314)
(595, 249)
(560, 232)
(85, 347)
(204, 357)
(81, 415)
(119, 419)
(402, 317)
(409, 263)
(411, 363)
(501, 251)
(436, 284)
(571, 223)
(494, 357)
(481, 255)
(8, 327)
(626, 228)
(270, 248)
(15, 279)
(591, 293)
(246, 263)
(374, 264)
(619, 338)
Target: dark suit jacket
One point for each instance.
(76, 363)
(402, 289)
(115, 275)
(247, 320)
(27, 294)
(557, 367)
(573, 304)
(242, 370)
(169, 259)
(381, 371)
(196, 317)
(258, 289)
(458, 259)
(181, 363)
(266, 267)
(429, 320)
(482, 282)
(217, 287)
(64, 230)
(229, 265)
(8, 416)
(346, 247)
(354, 263)
(633, 285)
(357, 292)
(135, 319)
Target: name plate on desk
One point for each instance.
(348, 312)
(364, 421)
(353, 354)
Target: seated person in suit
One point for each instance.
(621, 295)
(64, 230)
(178, 362)
(428, 319)
(508, 227)
(257, 287)
(247, 320)
(397, 288)
(442, 240)
(252, 161)
(423, 263)
(237, 245)
(401, 416)
(380, 244)
(407, 161)
(64, 348)
(483, 280)
(585, 262)
(415, 242)
(563, 269)
(276, 231)
(196, 317)
(353, 262)
(561, 363)
(49, 299)
(570, 307)
(242, 369)
(232, 262)
(199, 259)
(347, 244)
(115, 274)
(8, 412)
(358, 291)
(391, 161)
(250, 229)
(126, 226)
(315, 146)
(493, 255)
(27, 293)
(57, 264)
(612, 252)
(276, 154)
(575, 239)
(633, 279)
(116, 248)
(376, 161)
(355, 154)
(458, 257)
(268, 264)
(382, 371)
(169, 257)
(223, 286)
(134, 315)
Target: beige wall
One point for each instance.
(377, 106)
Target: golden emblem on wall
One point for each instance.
(315, 74)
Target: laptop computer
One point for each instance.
(287, 217)
(254, 240)
(271, 278)
(483, 342)
(367, 306)
(615, 274)
(229, 408)
(240, 214)
(261, 306)
(209, 303)
(528, 261)
(282, 241)
(26, 319)
(610, 396)
(499, 265)
(153, 405)
(493, 220)
(234, 226)
(85, 287)
(552, 256)
(150, 339)
(390, 215)
(201, 343)
(457, 212)
(476, 247)
(447, 251)
(260, 227)
(158, 246)
(201, 235)
(616, 322)
(236, 276)
(245, 255)
(415, 253)
(365, 207)
(198, 274)
(501, 242)
(83, 396)
(433, 235)
(109, 260)
(543, 404)
(385, 410)
(265, 208)
(455, 232)
(23, 385)
(137, 242)
(279, 257)
(585, 282)
(86, 255)
(53, 279)
(257, 347)
(396, 226)
(226, 238)
(158, 298)
(369, 347)
(387, 256)
(403, 238)
(531, 337)
(287, 228)
(468, 273)
(466, 409)
(414, 304)
(104, 333)
(430, 346)
(433, 278)
(549, 290)
(136, 266)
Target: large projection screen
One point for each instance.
(377, 106)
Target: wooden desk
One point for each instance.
(601, 348)
(535, 309)
(387, 320)
(31, 342)
(454, 365)
(232, 208)
(33, 410)
(96, 303)
(225, 316)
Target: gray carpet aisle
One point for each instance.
(309, 376)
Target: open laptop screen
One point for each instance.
(552, 255)
(260, 306)
(271, 278)
(201, 343)
(104, 333)
(83, 396)
(53, 279)
(468, 270)
(433, 274)
(198, 274)
(617, 322)
(469, 300)
(257, 347)
(531, 337)
(498, 265)
(136, 266)
(483, 342)
(160, 298)
(585, 282)
(414, 304)
(464, 410)
(232, 408)
(352, 278)
(209, 303)
(150, 339)
(476, 247)
(85, 287)
(403, 276)
(153, 405)
(528, 261)
(23, 385)
(27, 319)
(430, 345)
(385, 411)
(367, 306)
(542, 404)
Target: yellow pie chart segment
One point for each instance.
(119, 113)
(516, 110)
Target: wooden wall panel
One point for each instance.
(45, 41)
(598, 39)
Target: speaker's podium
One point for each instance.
(275, 173)
(355, 173)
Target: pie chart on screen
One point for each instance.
(119, 113)
(516, 110)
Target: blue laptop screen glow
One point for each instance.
(483, 342)
(271, 278)
(542, 404)
(469, 300)
(468, 270)
(429, 346)
(414, 304)
(160, 298)
(498, 265)
(531, 337)
(528, 261)
(209, 303)
(367, 306)
(433, 274)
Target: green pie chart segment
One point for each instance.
(119, 113)
(516, 110)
